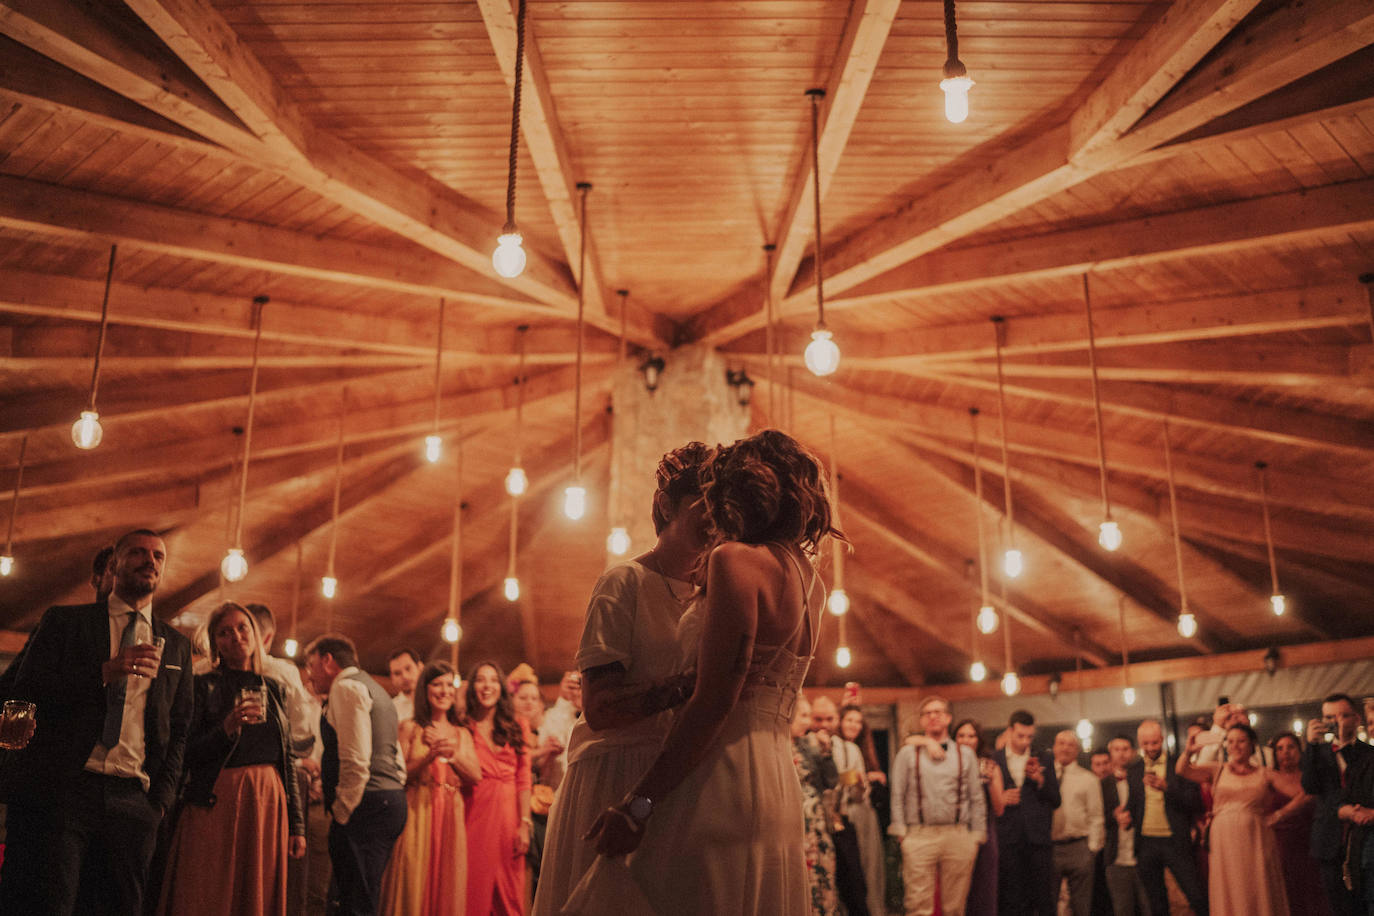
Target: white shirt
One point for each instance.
(405, 707)
(558, 723)
(298, 705)
(349, 712)
(1125, 836)
(1212, 753)
(1080, 811)
(1016, 764)
(126, 758)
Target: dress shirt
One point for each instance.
(126, 758)
(1016, 763)
(405, 707)
(1213, 753)
(349, 712)
(559, 722)
(939, 787)
(298, 706)
(1125, 836)
(1079, 815)
(1156, 821)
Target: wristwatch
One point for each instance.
(640, 807)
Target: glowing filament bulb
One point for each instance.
(1084, 730)
(329, 586)
(509, 257)
(1297, 726)
(451, 631)
(1279, 604)
(1109, 535)
(1128, 696)
(234, 566)
(87, 432)
(977, 672)
(1013, 564)
(291, 647)
(1187, 626)
(987, 619)
(6, 565)
(575, 502)
(512, 588)
(618, 541)
(434, 449)
(517, 482)
(842, 657)
(838, 603)
(822, 354)
(956, 98)
(1011, 684)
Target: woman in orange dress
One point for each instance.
(498, 807)
(427, 875)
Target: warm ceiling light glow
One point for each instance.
(234, 566)
(1254, 719)
(987, 620)
(843, 657)
(822, 354)
(575, 502)
(291, 647)
(1084, 729)
(1297, 726)
(977, 672)
(6, 565)
(1011, 684)
(451, 631)
(618, 541)
(516, 482)
(956, 98)
(1013, 564)
(87, 432)
(838, 603)
(1128, 696)
(1109, 535)
(509, 257)
(434, 449)
(1187, 626)
(512, 588)
(329, 586)
(1279, 604)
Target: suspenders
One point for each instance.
(958, 791)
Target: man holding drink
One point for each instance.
(112, 690)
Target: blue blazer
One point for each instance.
(1029, 822)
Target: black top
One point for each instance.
(258, 743)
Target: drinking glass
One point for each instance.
(17, 724)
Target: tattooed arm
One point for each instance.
(611, 703)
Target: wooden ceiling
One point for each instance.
(1208, 165)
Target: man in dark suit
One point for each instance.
(1325, 768)
(103, 765)
(1164, 833)
(1025, 864)
(1123, 801)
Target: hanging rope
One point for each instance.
(338, 480)
(770, 343)
(259, 302)
(583, 187)
(438, 365)
(999, 328)
(104, 324)
(978, 507)
(515, 119)
(816, 96)
(14, 500)
(520, 394)
(1173, 515)
(1268, 533)
(1097, 403)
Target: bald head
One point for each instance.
(1066, 747)
(1150, 737)
(824, 715)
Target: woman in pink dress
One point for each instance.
(1245, 877)
(1292, 825)
(498, 807)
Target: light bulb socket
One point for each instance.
(955, 69)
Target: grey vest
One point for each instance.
(384, 770)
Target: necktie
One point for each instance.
(114, 693)
(1057, 819)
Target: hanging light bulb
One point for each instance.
(1254, 719)
(822, 354)
(509, 257)
(956, 82)
(291, 647)
(517, 482)
(618, 542)
(977, 672)
(1013, 564)
(87, 432)
(434, 449)
(838, 602)
(1128, 696)
(329, 586)
(575, 502)
(6, 565)
(1109, 535)
(988, 620)
(451, 631)
(234, 566)
(1084, 729)
(7, 558)
(1187, 626)
(1297, 726)
(1279, 604)
(1011, 684)
(1276, 600)
(512, 588)
(843, 657)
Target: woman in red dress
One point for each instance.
(498, 807)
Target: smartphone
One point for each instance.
(1223, 701)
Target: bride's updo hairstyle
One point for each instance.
(679, 477)
(768, 488)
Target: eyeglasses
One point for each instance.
(934, 711)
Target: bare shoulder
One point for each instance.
(737, 555)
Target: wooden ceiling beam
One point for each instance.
(898, 654)
(1036, 169)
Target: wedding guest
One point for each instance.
(1292, 825)
(1024, 849)
(850, 883)
(498, 806)
(816, 770)
(429, 866)
(1123, 801)
(556, 729)
(1357, 812)
(1100, 762)
(982, 894)
(1163, 836)
(1324, 769)
(242, 810)
(859, 808)
(1077, 828)
(404, 667)
(1244, 872)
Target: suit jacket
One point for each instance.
(1029, 822)
(60, 673)
(1321, 778)
(1135, 806)
(1182, 798)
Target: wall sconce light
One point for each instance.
(1056, 680)
(743, 385)
(651, 369)
(1271, 660)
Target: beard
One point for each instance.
(136, 586)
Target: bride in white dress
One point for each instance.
(715, 825)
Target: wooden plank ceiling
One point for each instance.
(1207, 165)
